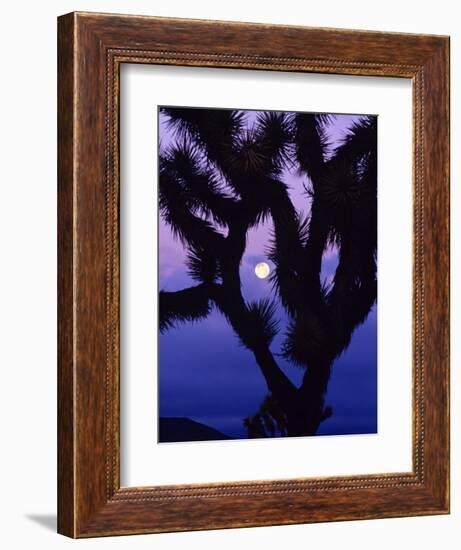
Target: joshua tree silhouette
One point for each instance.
(220, 179)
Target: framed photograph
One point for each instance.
(253, 258)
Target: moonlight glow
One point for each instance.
(262, 270)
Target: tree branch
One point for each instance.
(190, 304)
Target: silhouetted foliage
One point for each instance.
(221, 178)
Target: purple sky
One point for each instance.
(204, 374)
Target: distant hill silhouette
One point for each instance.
(175, 429)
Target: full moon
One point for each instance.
(262, 270)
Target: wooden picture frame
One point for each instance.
(91, 48)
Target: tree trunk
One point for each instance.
(308, 410)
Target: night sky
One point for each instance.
(207, 376)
